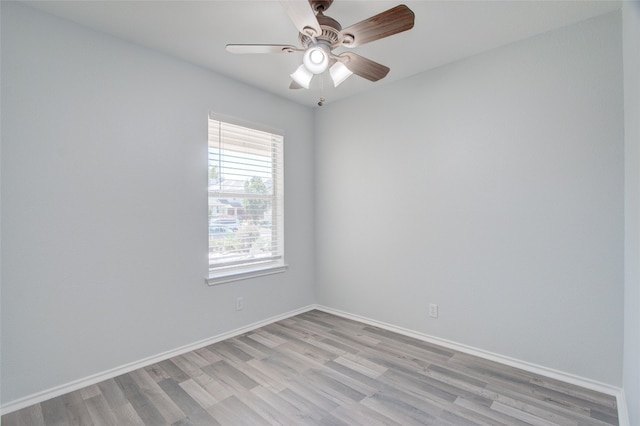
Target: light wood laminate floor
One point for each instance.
(317, 368)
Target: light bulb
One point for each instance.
(316, 58)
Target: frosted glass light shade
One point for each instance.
(316, 58)
(339, 73)
(302, 76)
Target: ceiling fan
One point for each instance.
(319, 35)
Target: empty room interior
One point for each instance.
(485, 207)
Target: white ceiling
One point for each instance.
(444, 31)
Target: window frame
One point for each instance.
(251, 267)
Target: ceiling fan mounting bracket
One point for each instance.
(320, 5)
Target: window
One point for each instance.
(246, 222)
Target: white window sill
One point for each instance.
(243, 275)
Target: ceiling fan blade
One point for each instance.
(261, 48)
(295, 85)
(365, 68)
(302, 16)
(385, 24)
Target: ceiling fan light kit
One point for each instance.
(339, 73)
(320, 34)
(302, 76)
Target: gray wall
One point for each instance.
(631, 34)
(492, 187)
(104, 198)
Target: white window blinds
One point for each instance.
(246, 223)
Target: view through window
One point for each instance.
(246, 220)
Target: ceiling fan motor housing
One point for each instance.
(330, 32)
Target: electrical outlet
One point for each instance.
(433, 310)
(239, 304)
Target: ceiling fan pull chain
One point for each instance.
(321, 101)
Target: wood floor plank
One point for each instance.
(361, 364)
(341, 344)
(258, 374)
(248, 348)
(207, 355)
(188, 367)
(226, 350)
(314, 395)
(90, 391)
(520, 415)
(274, 378)
(547, 415)
(285, 365)
(314, 411)
(139, 401)
(214, 387)
(173, 371)
(231, 376)
(54, 412)
(198, 393)
(357, 414)
(77, 412)
(119, 404)
(290, 414)
(127, 415)
(259, 351)
(395, 408)
(156, 372)
(188, 405)
(195, 358)
(344, 384)
(419, 387)
(266, 411)
(320, 369)
(100, 412)
(232, 411)
(31, 416)
(597, 398)
(112, 393)
(157, 396)
(266, 338)
(550, 400)
(350, 342)
(494, 418)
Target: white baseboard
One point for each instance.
(623, 417)
(606, 389)
(114, 372)
(623, 410)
